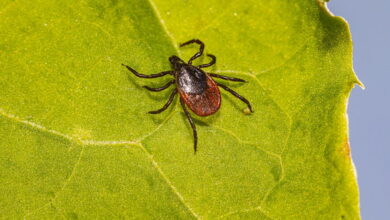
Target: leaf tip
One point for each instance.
(360, 84)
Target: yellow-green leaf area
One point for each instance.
(77, 142)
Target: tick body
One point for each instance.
(197, 89)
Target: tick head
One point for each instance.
(176, 62)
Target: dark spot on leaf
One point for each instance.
(334, 31)
(347, 149)
(51, 194)
(275, 171)
(73, 215)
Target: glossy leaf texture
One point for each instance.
(77, 142)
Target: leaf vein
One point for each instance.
(279, 157)
(69, 138)
(282, 175)
(214, 21)
(163, 26)
(260, 85)
(66, 182)
(168, 182)
(245, 142)
(292, 56)
(158, 127)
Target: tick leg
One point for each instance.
(213, 60)
(192, 124)
(199, 53)
(147, 76)
(236, 95)
(226, 77)
(166, 104)
(161, 88)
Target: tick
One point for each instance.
(197, 89)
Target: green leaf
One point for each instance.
(77, 142)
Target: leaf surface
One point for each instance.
(77, 142)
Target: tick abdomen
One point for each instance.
(205, 103)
